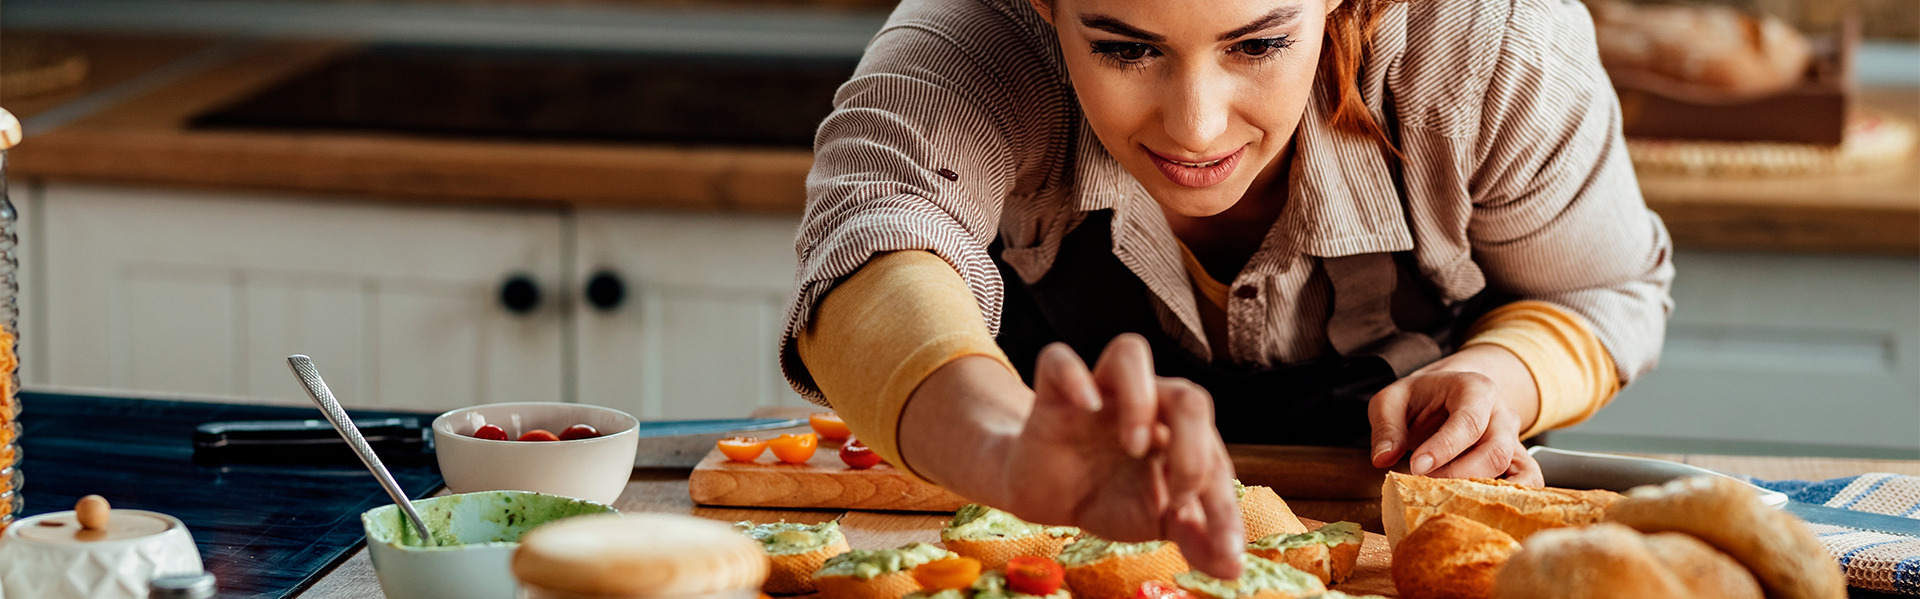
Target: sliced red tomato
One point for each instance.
(953, 573)
(1157, 589)
(829, 426)
(538, 434)
(490, 432)
(794, 449)
(579, 431)
(858, 456)
(742, 449)
(1035, 575)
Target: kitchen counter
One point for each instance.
(136, 134)
(666, 491)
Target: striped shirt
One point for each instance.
(959, 128)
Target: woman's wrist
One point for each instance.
(1514, 382)
(957, 426)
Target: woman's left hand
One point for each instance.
(1462, 415)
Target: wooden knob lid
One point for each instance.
(640, 555)
(9, 130)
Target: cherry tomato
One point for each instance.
(538, 434)
(1035, 575)
(578, 431)
(742, 449)
(953, 573)
(858, 456)
(794, 449)
(1155, 589)
(491, 432)
(830, 426)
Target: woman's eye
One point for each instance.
(1123, 51)
(1262, 47)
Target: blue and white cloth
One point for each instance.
(1872, 560)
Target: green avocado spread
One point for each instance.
(787, 538)
(1260, 574)
(867, 564)
(1089, 549)
(1239, 490)
(990, 585)
(975, 521)
(1337, 533)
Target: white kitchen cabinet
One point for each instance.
(705, 298)
(206, 293)
(1766, 348)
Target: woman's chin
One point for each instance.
(1197, 203)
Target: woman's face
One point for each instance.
(1198, 100)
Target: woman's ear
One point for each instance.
(1045, 8)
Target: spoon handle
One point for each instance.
(323, 397)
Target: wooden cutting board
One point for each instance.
(822, 483)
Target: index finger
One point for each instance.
(1125, 378)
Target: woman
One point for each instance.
(1409, 226)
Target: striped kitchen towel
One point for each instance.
(1875, 561)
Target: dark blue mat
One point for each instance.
(265, 529)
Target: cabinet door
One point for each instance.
(208, 293)
(696, 334)
(1768, 349)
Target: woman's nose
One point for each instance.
(1195, 113)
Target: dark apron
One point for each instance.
(1384, 323)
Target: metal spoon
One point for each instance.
(317, 389)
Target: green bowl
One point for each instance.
(474, 537)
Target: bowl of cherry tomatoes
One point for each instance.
(566, 449)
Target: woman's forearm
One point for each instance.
(957, 424)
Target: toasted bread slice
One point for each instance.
(1100, 569)
(1328, 553)
(796, 551)
(1261, 578)
(1265, 514)
(994, 553)
(893, 585)
(994, 537)
(875, 574)
(1407, 501)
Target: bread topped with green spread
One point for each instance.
(990, 585)
(994, 537)
(875, 573)
(1260, 578)
(1099, 568)
(796, 550)
(1328, 553)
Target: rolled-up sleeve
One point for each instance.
(910, 159)
(1557, 214)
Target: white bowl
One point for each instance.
(594, 469)
(475, 535)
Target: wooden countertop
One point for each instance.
(140, 139)
(652, 490)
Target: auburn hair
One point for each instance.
(1349, 34)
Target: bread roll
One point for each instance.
(1450, 557)
(1265, 514)
(1609, 561)
(1782, 553)
(1102, 569)
(1407, 501)
(639, 555)
(1714, 48)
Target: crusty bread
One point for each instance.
(1407, 501)
(1450, 557)
(1607, 561)
(1265, 514)
(1329, 553)
(792, 573)
(1715, 49)
(891, 585)
(1119, 576)
(1782, 553)
(1261, 578)
(995, 552)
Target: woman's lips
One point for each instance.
(1192, 174)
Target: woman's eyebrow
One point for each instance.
(1279, 16)
(1118, 27)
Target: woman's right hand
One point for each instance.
(1117, 450)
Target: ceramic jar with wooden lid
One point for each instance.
(639, 556)
(93, 552)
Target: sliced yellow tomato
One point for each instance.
(830, 426)
(742, 449)
(794, 449)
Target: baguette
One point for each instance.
(1786, 558)
(1265, 514)
(1101, 569)
(1260, 578)
(796, 550)
(875, 574)
(1329, 553)
(994, 537)
(1608, 560)
(1407, 501)
(1450, 557)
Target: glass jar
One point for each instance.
(10, 481)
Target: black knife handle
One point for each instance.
(283, 436)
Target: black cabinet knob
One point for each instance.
(519, 294)
(605, 290)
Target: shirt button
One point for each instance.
(1246, 292)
